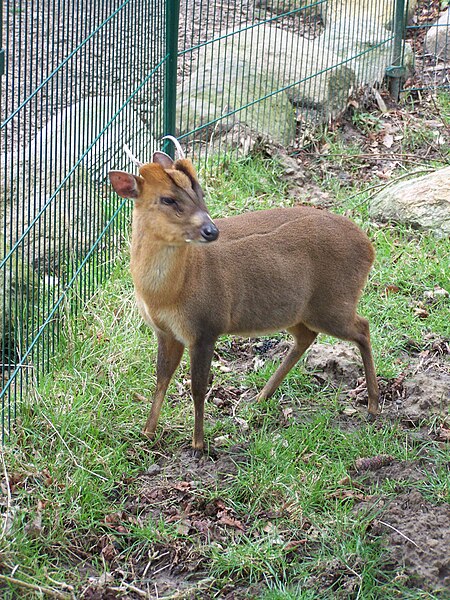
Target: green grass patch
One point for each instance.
(77, 455)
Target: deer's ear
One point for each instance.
(124, 184)
(163, 159)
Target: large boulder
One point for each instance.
(267, 78)
(421, 202)
(437, 41)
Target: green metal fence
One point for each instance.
(81, 78)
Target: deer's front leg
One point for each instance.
(201, 355)
(170, 352)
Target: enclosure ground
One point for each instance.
(299, 496)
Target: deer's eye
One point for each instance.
(168, 201)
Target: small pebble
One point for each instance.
(153, 470)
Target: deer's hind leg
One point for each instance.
(303, 338)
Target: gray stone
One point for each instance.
(317, 76)
(437, 40)
(421, 202)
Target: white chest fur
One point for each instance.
(167, 320)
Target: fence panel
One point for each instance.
(274, 66)
(81, 78)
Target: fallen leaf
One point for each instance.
(114, 518)
(183, 527)
(345, 480)
(231, 522)
(294, 544)
(109, 552)
(422, 313)
(182, 486)
(443, 434)
(437, 292)
(391, 289)
(388, 140)
(348, 495)
(221, 440)
(34, 528)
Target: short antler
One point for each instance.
(177, 145)
(131, 156)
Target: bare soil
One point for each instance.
(417, 535)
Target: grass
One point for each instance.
(77, 456)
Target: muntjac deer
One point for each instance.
(297, 269)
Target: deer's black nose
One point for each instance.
(209, 232)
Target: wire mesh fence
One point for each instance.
(428, 33)
(274, 66)
(81, 79)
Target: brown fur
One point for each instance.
(298, 269)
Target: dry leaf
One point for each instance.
(391, 289)
(109, 552)
(182, 486)
(34, 529)
(226, 520)
(183, 527)
(388, 140)
(348, 494)
(422, 313)
(443, 434)
(437, 292)
(294, 544)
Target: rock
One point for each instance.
(427, 394)
(356, 13)
(282, 68)
(224, 85)
(421, 202)
(437, 40)
(334, 11)
(257, 65)
(339, 363)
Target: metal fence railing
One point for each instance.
(81, 78)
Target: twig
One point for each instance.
(182, 594)
(435, 68)
(8, 497)
(400, 533)
(71, 453)
(37, 588)
(132, 588)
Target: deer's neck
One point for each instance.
(159, 271)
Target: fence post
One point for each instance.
(397, 70)
(2, 50)
(170, 84)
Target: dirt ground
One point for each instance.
(416, 532)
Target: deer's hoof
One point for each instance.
(197, 453)
(150, 435)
